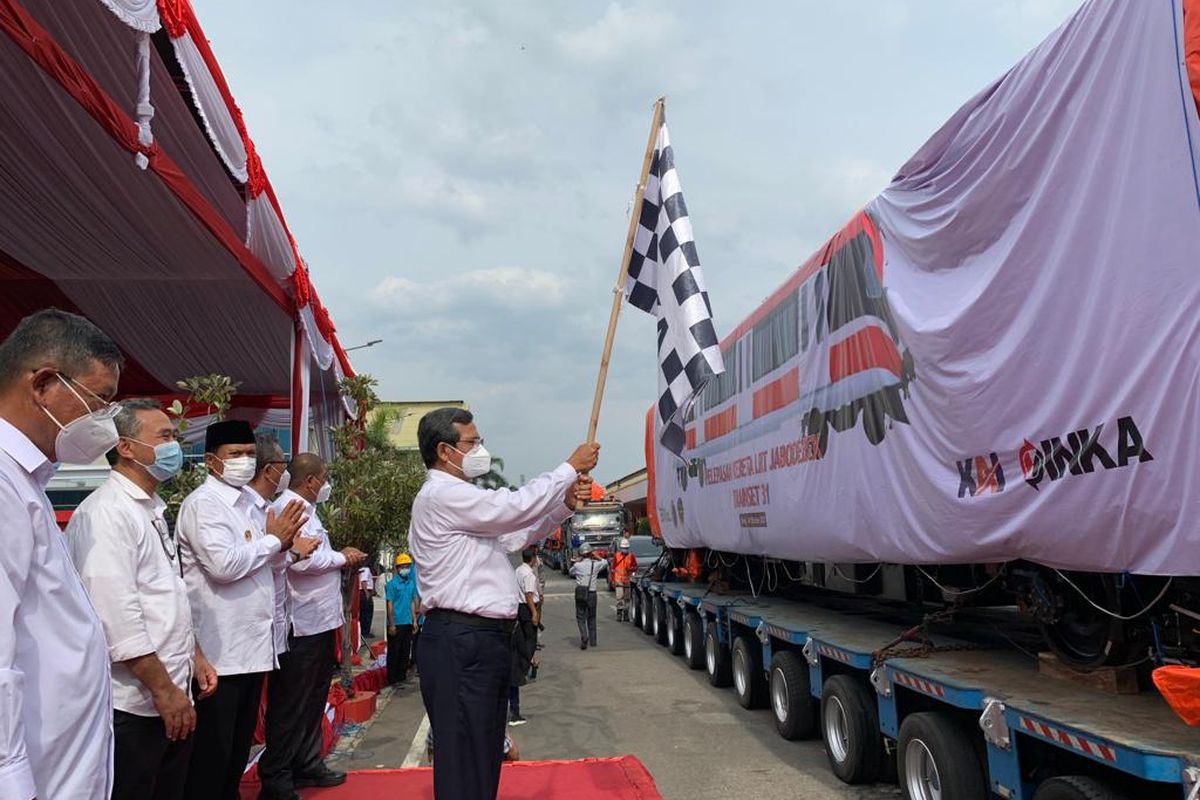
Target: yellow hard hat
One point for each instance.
(403, 559)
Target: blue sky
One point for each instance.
(458, 174)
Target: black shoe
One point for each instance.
(592, 644)
(533, 673)
(322, 776)
(583, 645)
(516, 719)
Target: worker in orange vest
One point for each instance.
(623, 566)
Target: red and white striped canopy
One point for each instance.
(131, 192)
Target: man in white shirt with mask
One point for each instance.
(57, 373)
(227, 558)
(293, 756)
(467, 592)
(126, 556)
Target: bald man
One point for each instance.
(292, 759)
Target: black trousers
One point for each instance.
(366, 611)
(585, 614)
(464, 683)
(224, 732)
(296, 696)
(398, 652)
(147, 765)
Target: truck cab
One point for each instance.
(596, 524)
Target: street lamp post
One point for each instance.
(371, 343)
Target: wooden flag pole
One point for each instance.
(619, 289)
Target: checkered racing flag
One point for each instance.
(665, 280)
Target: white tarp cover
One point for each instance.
(1004, 359)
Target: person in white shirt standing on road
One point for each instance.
(227, 558)
(467, 592)
(585, 571)
(126, 556)
(57, 373)
(295, 705)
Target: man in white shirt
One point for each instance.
(585, 571)
(271, 479)
(297, 700)
(126, 557)
(227, 561)
(57, 373)
(529, 617)
(467, 591)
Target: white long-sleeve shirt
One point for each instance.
(460, 535)
(56, 737)
(314, 584)
(279, 564)
(227, 561)
(116, 541)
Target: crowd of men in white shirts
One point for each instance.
(132, 657)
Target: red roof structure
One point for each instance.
(131, 192)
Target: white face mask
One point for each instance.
(285, 479)
(475, 463)
(324, 492)
(83, 440)
(238, 471)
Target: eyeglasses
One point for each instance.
(168, 542)
(107, 410)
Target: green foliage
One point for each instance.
(215, 393)
(374, 484)
(643, 527)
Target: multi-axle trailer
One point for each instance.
(951, 721)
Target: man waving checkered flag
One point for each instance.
(665, 280)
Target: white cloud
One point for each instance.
(620, 32)
(508, 288)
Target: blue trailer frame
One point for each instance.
(1020, 712)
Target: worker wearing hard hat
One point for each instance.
(403, 607)
(623, 566)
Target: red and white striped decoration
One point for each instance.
(1078, 743)
(834, 653)
(927, 687)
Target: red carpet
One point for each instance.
(589, 779)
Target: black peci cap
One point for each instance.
(230, 431)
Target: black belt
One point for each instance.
(472, 620)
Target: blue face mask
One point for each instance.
(168, 460)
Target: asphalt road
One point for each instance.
(629, 695)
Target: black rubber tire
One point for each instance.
(660, 621)
(716, 659)
(1077, 787)
(634, 605)
(693, 640)
(749, 684)
(647, 613)
(862, 760)
(952, 751)
(674, 630)
(796, 712)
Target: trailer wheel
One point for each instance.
(935, 758)
(647, 613)
(748, 682)
(716, 659)
(693, 640)
(850, 724)
(1077, 787)
(674, 631)
(635, 606)
(660, 621)
(791, 697)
